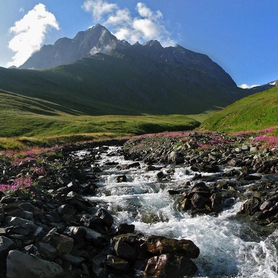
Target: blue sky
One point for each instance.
(240, 35)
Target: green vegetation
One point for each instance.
(30, 121)
(255, 112)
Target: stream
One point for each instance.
(229, 248)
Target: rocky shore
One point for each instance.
(240, 168)
(48, 228)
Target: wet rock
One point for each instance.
(23, 265)
(166, 265)
(176, 157)
(73, 260)
(122, 178)
(21, 226)
(47, 251)
(161, 245)
(106, 217)
(161, 176)
(62, 243)
(128, 246)
(126, 229)
(199, 201)
(250, 206)
(117, 263)
(153, 168)
(66, 211)
(6, 244)
(133, 165)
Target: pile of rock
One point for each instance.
(201, 199)
(50, 230)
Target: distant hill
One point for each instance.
(255, 112)
(102, 75)
(31, 117)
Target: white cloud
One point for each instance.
(30, 32)
(146, 25)
(246, 86)
(99, 8)
(143, 10)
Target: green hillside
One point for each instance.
(255, 112)
(44, 121)
(125, 85)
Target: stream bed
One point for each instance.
(229, 247)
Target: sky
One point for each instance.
(240, 35)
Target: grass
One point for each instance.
(29, 121)
(255, 112)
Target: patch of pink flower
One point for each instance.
(19, 183)
(269, 140)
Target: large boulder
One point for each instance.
(22, 265)
(170, 266)
(158, 245)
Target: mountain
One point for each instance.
(255, 112)
(67, 51)
(98, 74)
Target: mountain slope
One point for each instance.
(25, 116)
(255, 112)
(114, 77)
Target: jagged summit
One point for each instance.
(67, 51)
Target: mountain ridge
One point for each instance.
(103, 75)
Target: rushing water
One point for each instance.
(228, 248)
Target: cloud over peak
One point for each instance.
(146, 25)
(30, 32)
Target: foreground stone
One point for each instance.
(27, 266)
(168, 266)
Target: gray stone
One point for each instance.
(27, 266)
(6, 244)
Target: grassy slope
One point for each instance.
(45, 121)
(254, 112)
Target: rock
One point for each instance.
(199, 201)
(128, 246)
(126, 229)
(251, 206)
(133, 165)
(95, 237)
(153, 168)
(176, 157)
(253, 177)
(117, 263)
(253, 150)
(77, 232)
(200, 187)
(66, 211)
(122, 178)
(21, 226)
(47, 251)
(106, 217)
(158, 245)
(161, 176)
(74, 260)
(167, 265)
(23, 265)
(62, 243)
(6, 244)
(21, 213)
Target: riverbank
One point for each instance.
(83, 210)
